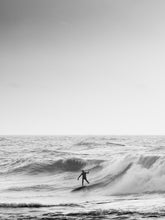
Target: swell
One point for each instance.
(34, 188)
(115, 144)
(87, 143)
(35, 205)
(90, 144)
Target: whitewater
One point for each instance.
(39, 173)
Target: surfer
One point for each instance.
(83, 174)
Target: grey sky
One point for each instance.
(82, 67)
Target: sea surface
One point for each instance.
(126, 175)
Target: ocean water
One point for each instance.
(126, 175)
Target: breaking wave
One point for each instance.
(125, 175)
(146, 175)
(130, 175)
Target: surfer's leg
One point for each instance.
(82, 182)
(87, 181)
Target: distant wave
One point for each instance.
(93, 144)
(32, 188)
(23, 205)
(87, 143)
(116, 144)
(35, 205)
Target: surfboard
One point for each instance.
(79, 188)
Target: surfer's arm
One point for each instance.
(79, 176)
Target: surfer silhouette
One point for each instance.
(83, 174)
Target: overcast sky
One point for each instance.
(82, 67)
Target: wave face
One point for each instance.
(61, 165)
(71, 164)
(42, 172)
(127, 175)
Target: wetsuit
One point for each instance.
(83, 174)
